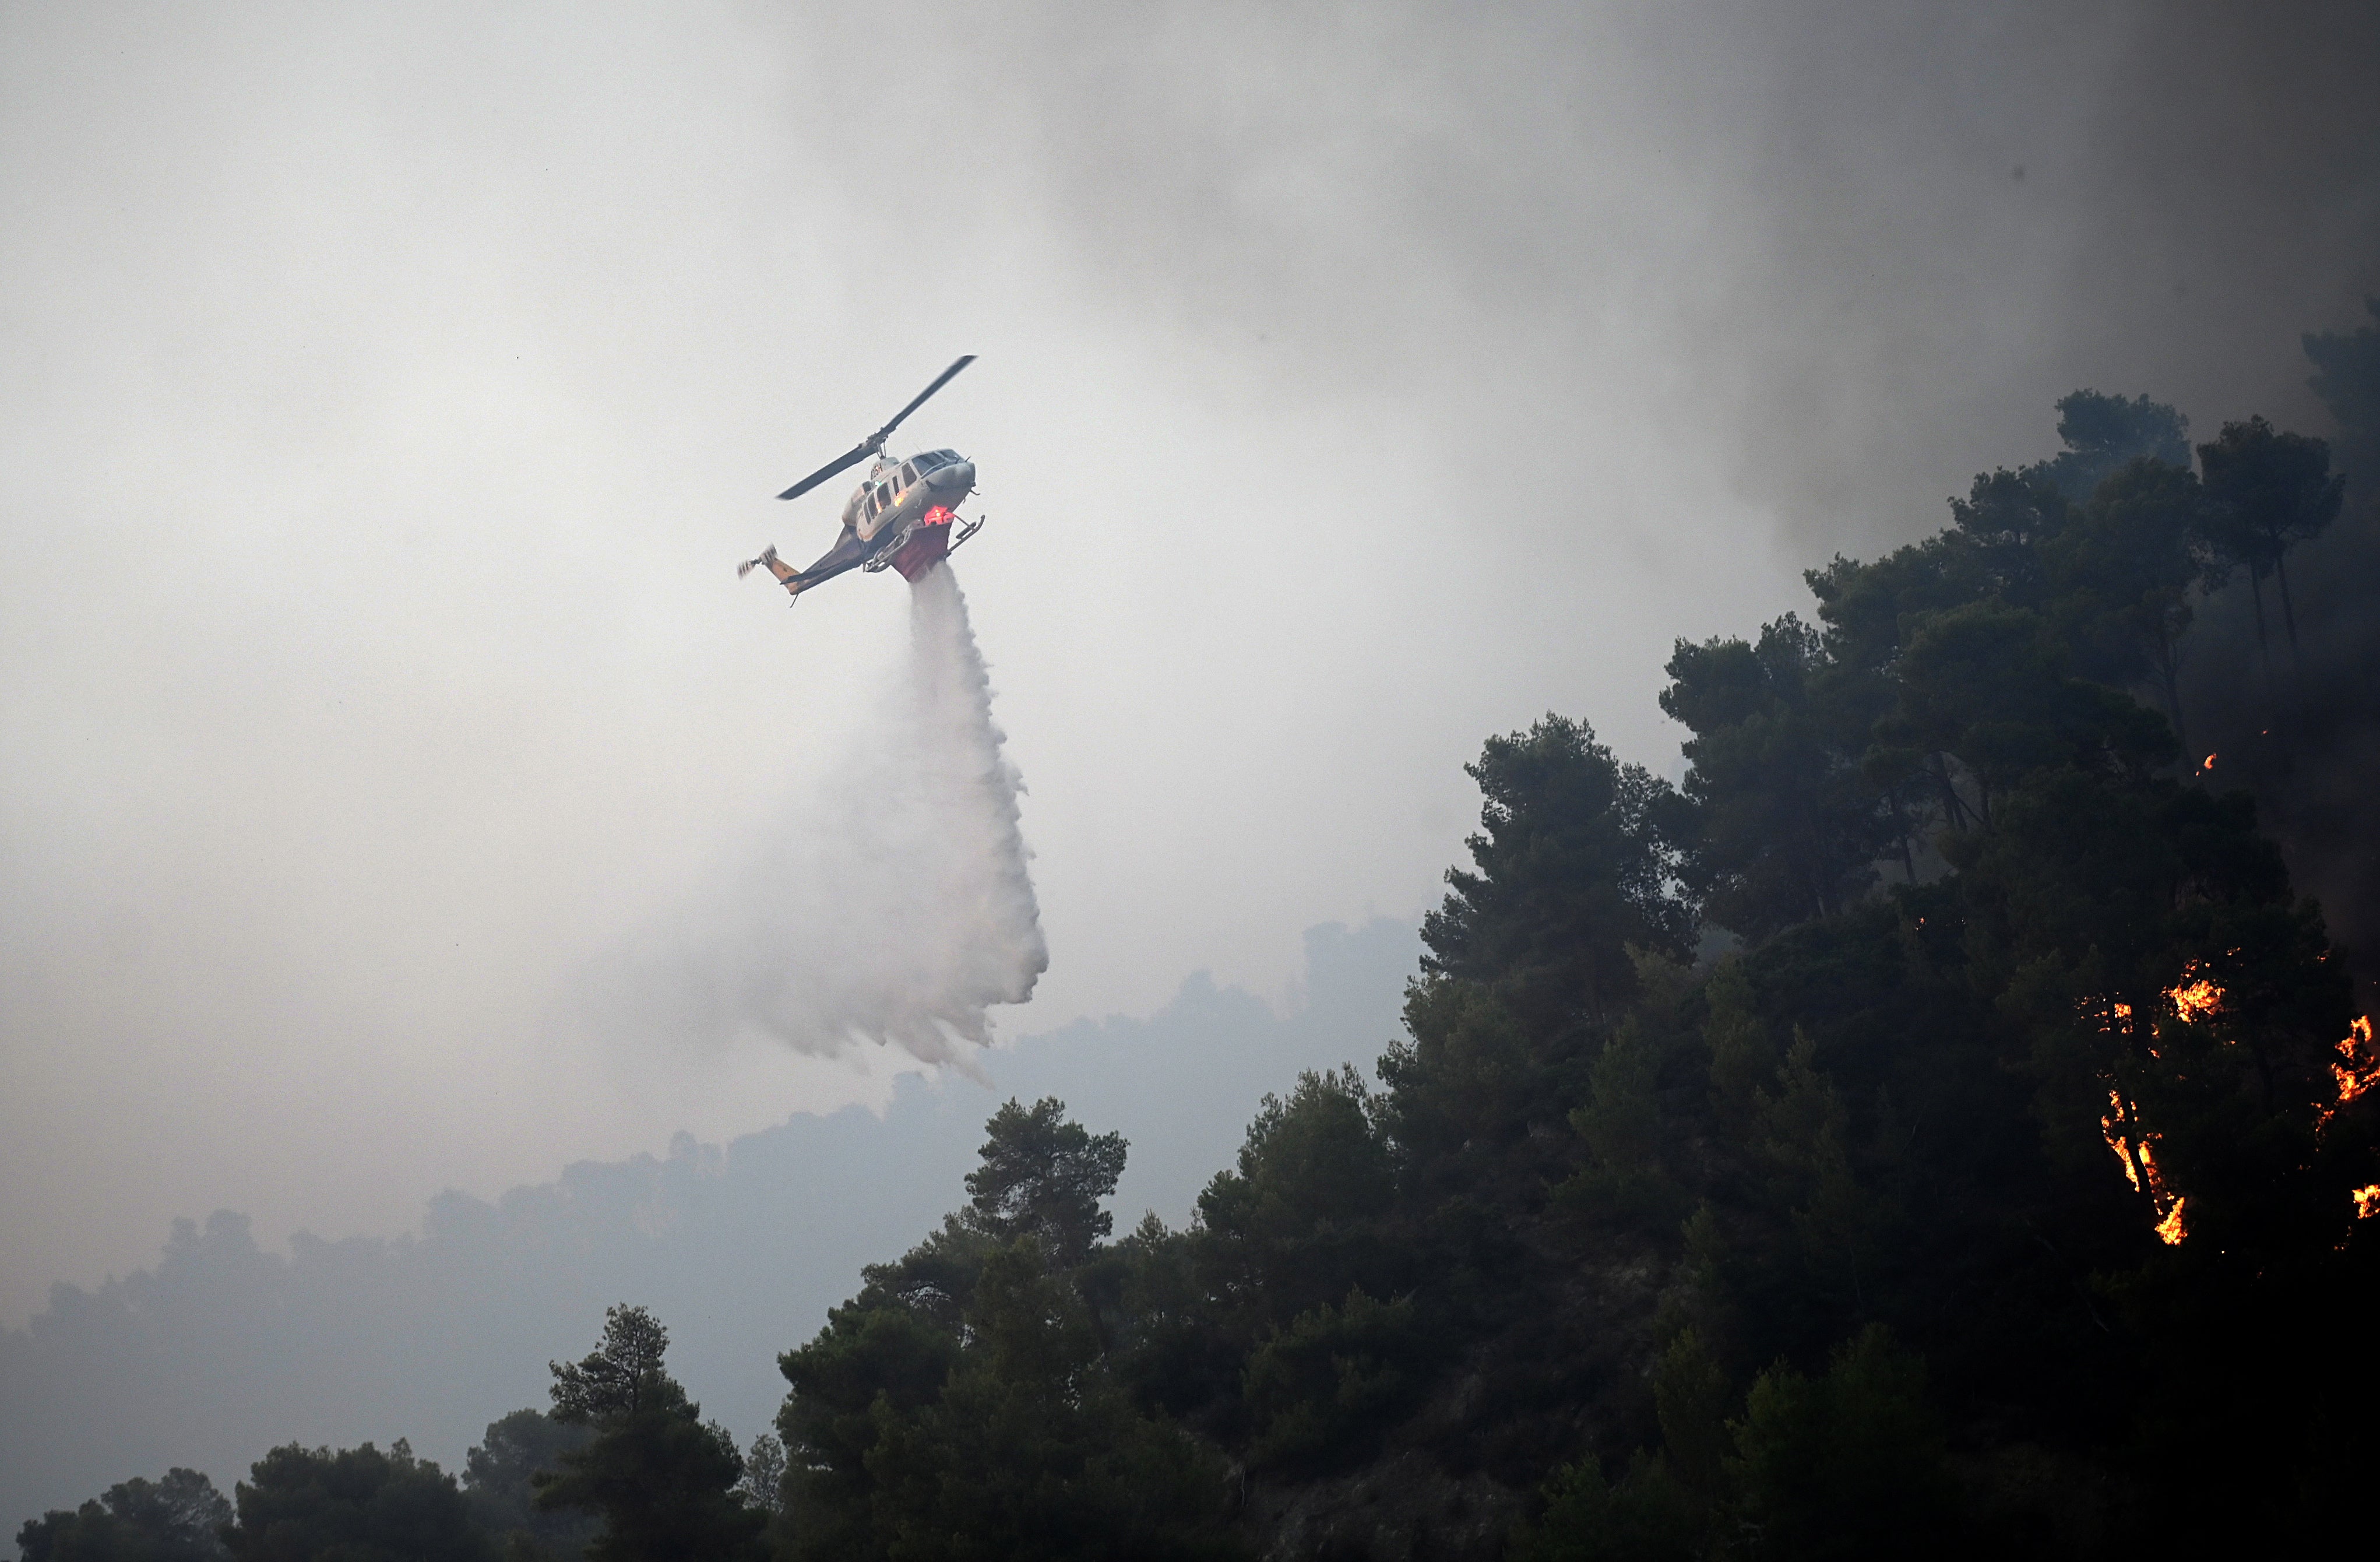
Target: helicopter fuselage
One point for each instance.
(901, 517)
(899, 495)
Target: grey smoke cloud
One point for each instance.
(387, 393)
(1854, 250)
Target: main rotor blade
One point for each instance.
(849, 458)
(945, 379)
(874, 442)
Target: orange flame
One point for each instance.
(2209, 765)
(2357, 1072)
(2361, 1070)
(2367, 1201)
(2195, 996)
(2112, 1128)
(2136, 1153)
(2113, 1017)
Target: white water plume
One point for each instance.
(897, 909)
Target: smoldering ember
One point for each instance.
(1890, 1069)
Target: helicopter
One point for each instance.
(902, 518)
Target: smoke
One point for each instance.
(2298, 726)
(896, 908)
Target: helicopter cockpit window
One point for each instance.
(908, 474)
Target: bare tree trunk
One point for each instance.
(1819, 866)
(2168, 667)
(2263, 652)
(1954, 812)
(2290, 617)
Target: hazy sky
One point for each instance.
(387, 393)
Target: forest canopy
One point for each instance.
(1938, 1121)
